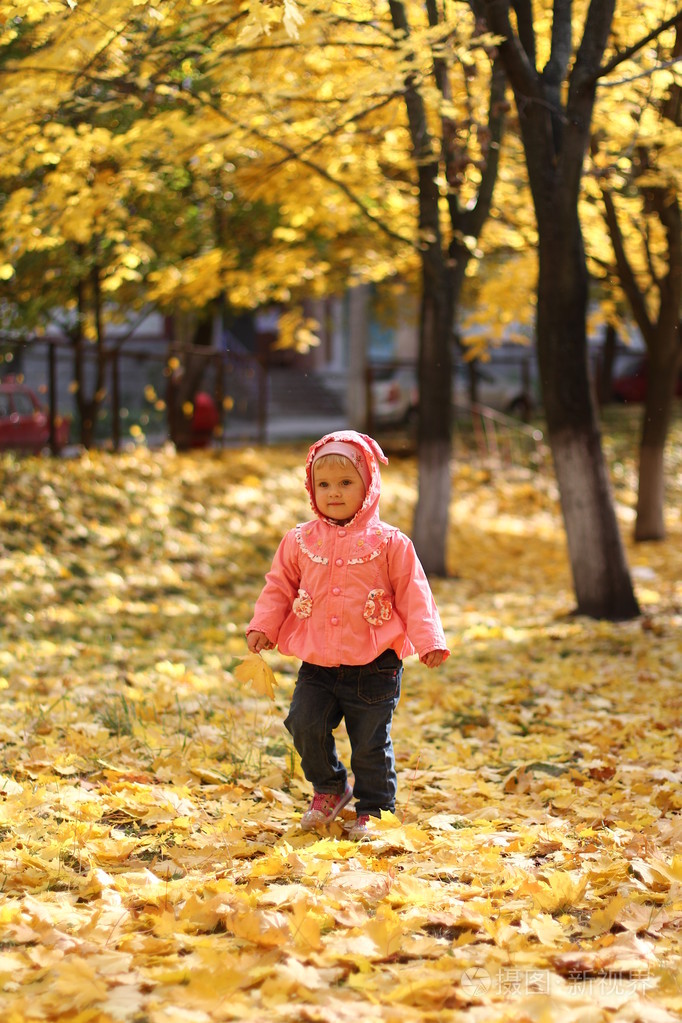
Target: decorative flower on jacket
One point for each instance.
(378, 607)
(302, 605)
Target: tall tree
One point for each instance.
(555, 104)
(440, 159)
(637, 167)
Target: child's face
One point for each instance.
(339, 491)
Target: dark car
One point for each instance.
(629, 382)
(25, 422)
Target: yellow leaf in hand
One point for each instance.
(253, 669)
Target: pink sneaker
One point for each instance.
(324, 808)
(361, 828)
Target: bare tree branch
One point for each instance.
(624, 55)
(625, 273)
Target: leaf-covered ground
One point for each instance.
(152, 870)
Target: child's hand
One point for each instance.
(433, 658)
(257, 641)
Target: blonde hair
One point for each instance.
(340, 461)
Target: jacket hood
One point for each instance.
(370, 454)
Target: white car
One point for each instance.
(394, 395)
(507, 385)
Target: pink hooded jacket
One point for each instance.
(343, 594)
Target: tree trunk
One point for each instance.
(663, 339)
(443, 272)
(663, 336)
(650, 524)
(434, 432)
(77, 340)
(605, 370)
(600, 575)
(359, 414)
(434, 437)
(185, 380)
(665, 345)
(658, 406)
(89, 399)
(555, 111)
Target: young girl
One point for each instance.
(348, 596)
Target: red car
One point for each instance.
(25, 422)
(630, 383)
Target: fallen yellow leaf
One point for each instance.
(560, 892)
(152, 860)
(268, 928)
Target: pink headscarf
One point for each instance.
(363, 453)
(349, 451)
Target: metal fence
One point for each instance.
(134, 399)
(257, 403)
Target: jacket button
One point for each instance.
(336, 591)
(342, 532)
(339, 561)
(335, 620)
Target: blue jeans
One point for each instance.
(366, 696)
